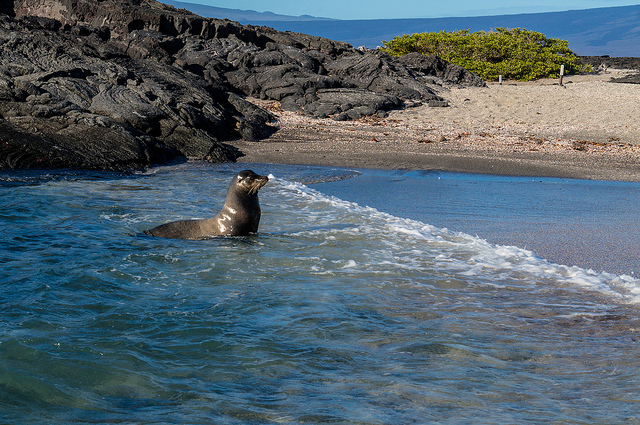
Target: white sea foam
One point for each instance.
(392, 241)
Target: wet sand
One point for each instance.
(587, 128)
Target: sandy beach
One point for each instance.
(588, 128)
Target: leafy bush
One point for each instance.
(516, 54)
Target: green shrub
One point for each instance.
(516, 54)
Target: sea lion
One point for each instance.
(240, 214)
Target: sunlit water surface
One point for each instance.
(336, 312)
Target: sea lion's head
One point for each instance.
(248, 183)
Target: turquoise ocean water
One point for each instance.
(369, 297)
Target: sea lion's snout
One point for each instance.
(257, 183)
(261, 181)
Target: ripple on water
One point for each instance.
(336, 312)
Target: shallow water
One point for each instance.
(592, 224)
(336, 312)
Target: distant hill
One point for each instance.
(613, 31)
(242, 16)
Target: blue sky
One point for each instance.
(381, 9)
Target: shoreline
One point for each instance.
(585, 129)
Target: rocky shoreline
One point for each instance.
(126, 85)
(111, 85)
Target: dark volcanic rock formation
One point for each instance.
(116, 85)
(604, 62)
(611, 62)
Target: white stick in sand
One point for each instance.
(561, 73)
